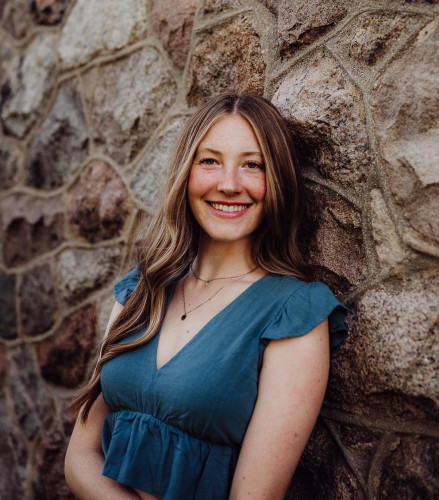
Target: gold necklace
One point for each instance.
(206, 282)
(231, 278)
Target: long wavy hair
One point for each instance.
(173, 236)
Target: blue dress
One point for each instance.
(176, 432)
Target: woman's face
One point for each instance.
(227, 186)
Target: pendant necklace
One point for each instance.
(230, 278)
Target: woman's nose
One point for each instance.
(229, 182)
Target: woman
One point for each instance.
(216, 361)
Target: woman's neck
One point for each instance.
(218, 259)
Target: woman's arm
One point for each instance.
(292, 385)
(85, 460)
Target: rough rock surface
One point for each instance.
(359, 444)
(49, 482)
(173, 21)
(392, 345)
(387, 242)
(11, 163)
(38, 304)
(48, 11)
(321, 460)
(15, 18)
(31, 226)
(327, 115)
(410, 469)
(99, 204)
(406, 112)
(79, 272)
(226, 59)
(149, 180)
(8, 323)
(61, 144)
(128, 102)
(13, 457)
(3, 363)
(90, 29)
(375, 35)
(301, 22)
(29, 84)
(31, 403)
(63, 358)
(334, 240)
(215, 6)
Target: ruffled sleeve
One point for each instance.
(304, 310)
(125, 287)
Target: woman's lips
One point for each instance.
(229, 208)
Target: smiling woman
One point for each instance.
(216, 358)
(227, 186)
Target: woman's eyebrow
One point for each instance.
(214, 151)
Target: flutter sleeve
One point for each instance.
(125, 287)
(304, 310)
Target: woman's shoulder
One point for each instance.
(126, 285)
(304, 306)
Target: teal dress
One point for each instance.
(176, 432)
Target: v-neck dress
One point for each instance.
(176, 432)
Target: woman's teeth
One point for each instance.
(228, 208)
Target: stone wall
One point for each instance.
(93, 93)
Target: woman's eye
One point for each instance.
(253, 165)
(207, 161)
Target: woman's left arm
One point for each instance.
(292, 385)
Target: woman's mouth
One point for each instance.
(228, 208)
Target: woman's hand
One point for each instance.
(292, 385)
(84, 460)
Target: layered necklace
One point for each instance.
(206, 282)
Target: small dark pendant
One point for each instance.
(183, 317)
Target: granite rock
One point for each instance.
(8, 324)
(217, 6)
(29, 84)
(63, 358)
(323, 459)
(410, 469)
(90, 29)
(327, 115)
(334, 239)
(359, 444)
(128, 102)
(38, 303)
(227, 58)
(49, 482)
(31, 226)
(48, 12)
(11, 164)
(61, 144)
(103, 312)
(173, 21)
(391, 347)
(304, 21)
(375, 34)
(13, 457)
(387, 242)
(79, 272)
(15, 18)
(31, 403)
(3, 365)
(99, 203)
(405, 107)
(149, 180)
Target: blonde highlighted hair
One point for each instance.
(172, 237)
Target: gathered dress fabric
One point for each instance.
(176, 432)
